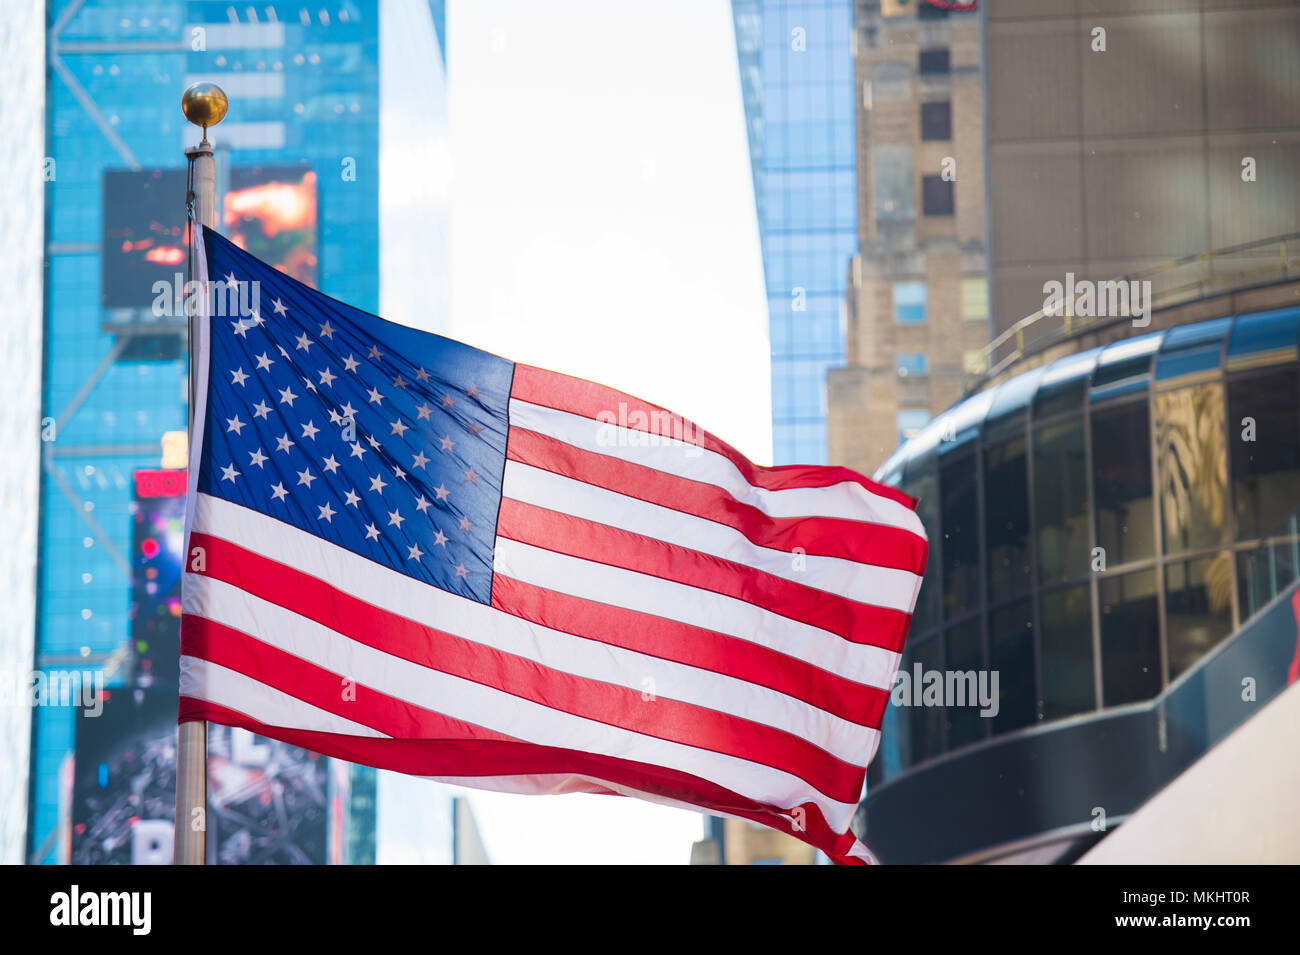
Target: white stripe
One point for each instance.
(484, 705)
(848, 499)
(590, 580)
(865, 583)
(205, 680)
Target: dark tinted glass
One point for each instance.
(936, 121)
(1011, 656)
(934, 61)
(963, 656)
(1265, 572)
(1198, 608)
(926, 721)
(936, 196)
(1061, 500)
(1265, 451)
(1121, 456)
(1065, 616)
(1006, 515)
(922, 483)
(960, 522)
(1130, 638)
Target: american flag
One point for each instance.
(412, 554)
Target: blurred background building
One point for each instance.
(1111, 506)
(299, 182)
(796, 73)
(917, 307)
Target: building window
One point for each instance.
(928, 11)
(1130, 639)
(1061, 500)
(1264, 451)
(936, 196)
(1121, 476)
(1069, 686)
(912, 363)
(936, 121)
(1198, 608)
(910, 422)
(909, 302)
(962, 655)
(974, 361)
(934, 61)
(1011, 656)
(975, 300)
(891, 183)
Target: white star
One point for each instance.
(377, 484)
(419, 460)
(287, 396)
(414, 553)
(394, 517)
(446, 444)
(238, 377)
(304, 343)
(229, 473)
(278, 493)
(399, 428)
(465, 524)
(352, 498)
(421, 504)
(425, 411)
(283, 354)
(261, 409)
(358, 450)
(375, 352)
(309, 430)
(264, 363)
(279, 307)
(461, 571)
(240, 328)
(441, 492)
(373, 442)
(421, 375)
(257, 457)
(470, 476)
(399, 474)
(440, 539)
(335, 417)
(472, 391)
(234, 424)
(475, 428)
(310, 386)
(331, 465)
(306, 477)
(327, 513)
(372, 532)
(448, 401)
(327, 377)
(283, 443)
(399, 382)
(258, 319)
(348, 410)
(326, 330)
(350, 363)
(376, 397)
(230, 279)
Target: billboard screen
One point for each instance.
(157, 545)
(270, 210)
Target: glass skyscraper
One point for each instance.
(796, 70)
(298, 180)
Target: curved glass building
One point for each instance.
(1101, 526)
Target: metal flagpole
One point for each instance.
(204, 104)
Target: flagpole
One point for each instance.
(204, 104)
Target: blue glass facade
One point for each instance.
(796, 67)
(304, 91)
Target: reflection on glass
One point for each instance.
(1011, 655)
(960, 546)
(1265, 572)
(1193, 464)
(927, 721)
(1121, 467)
(1006, 513)
(1198, 608)
(1065, 616)
(1130, 638)
(1061, 500)
(1264, 444)
(962, 655)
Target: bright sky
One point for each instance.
(603, 225)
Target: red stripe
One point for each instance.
(325, 689)
(566, 534)
(880, 544)
(590, 400)
(607, 703)
(693, 646)
(506, 758)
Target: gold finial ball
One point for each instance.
(205, 104)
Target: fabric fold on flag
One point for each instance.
(412, 554)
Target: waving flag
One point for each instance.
(412, 554)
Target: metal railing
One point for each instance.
(1173, 283)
